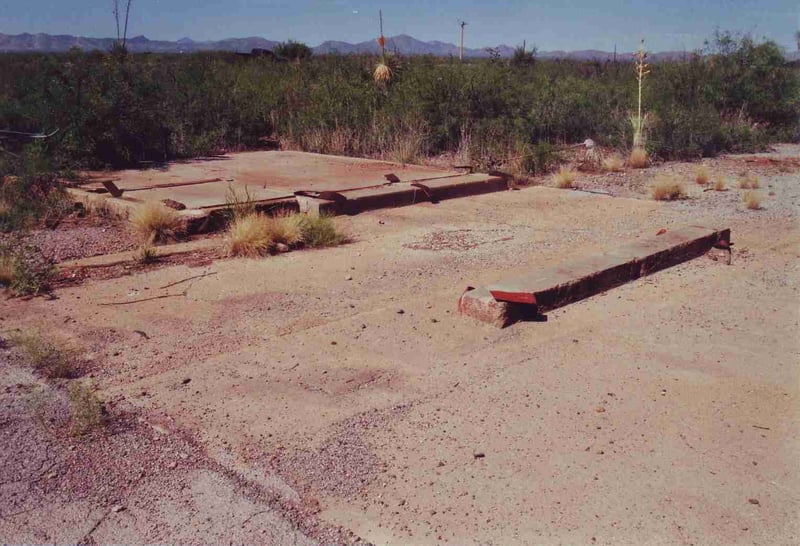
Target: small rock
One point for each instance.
(600, 409)
(433, 320)
(479, 454)
(348, 278)
(186, 380)
(400, 312)
(753, 501)
(281, 247)
(172, 465)
(117, 508)
(334, 343)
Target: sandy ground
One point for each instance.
(342, 386)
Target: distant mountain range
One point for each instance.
(402, 44)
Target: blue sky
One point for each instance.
(549, 24)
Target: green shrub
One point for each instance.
(23, 269)
(88, 412)
(321, 231)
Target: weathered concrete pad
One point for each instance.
(551, 287)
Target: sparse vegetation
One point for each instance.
(564, 178)
(752, 199)
(613, 163)
(88, 412)
(53, 358)
(719, 183)
(667, 188)
(701, 175)
(638, 158)
(749, 182)
(154, 222)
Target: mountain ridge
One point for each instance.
(401, 44)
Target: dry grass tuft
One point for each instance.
(749, 182)
(88, 412)
(154, 222)
(564, 178)
(287, 228)
(701, 176)
(613, 163)
(752, 200)
(638, 158)
(146, 253)
(667, 188)
(52, 358)
(249, 236)
(719, 183)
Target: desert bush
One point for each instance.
(564, 178)
(638, 158)
(29, 191)
(613, 163)
(88, 412)
(249, 235)
(321, 231)
(752, 200)
(23, 269)
(154, 222)
(736, 94)
(667, 188)
(701, 175)
(52, 357)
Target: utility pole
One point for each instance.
(461, 51)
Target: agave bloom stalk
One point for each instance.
(639, 121)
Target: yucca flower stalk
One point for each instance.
(639, 121)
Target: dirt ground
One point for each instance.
(307, 396)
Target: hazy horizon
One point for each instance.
(565, 25)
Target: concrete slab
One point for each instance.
(503, 303)
(305, 181)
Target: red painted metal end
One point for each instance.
(514, 297)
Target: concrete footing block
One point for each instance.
(478, 303)
(545, 288)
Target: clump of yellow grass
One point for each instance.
(701, 175)
(667, 188)
(286, 227)
(564, 178)
(752, 200)
(613, 163)
(719, 183)
(638, 158)
(249, 235)
(749, 182)
(154, 222)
